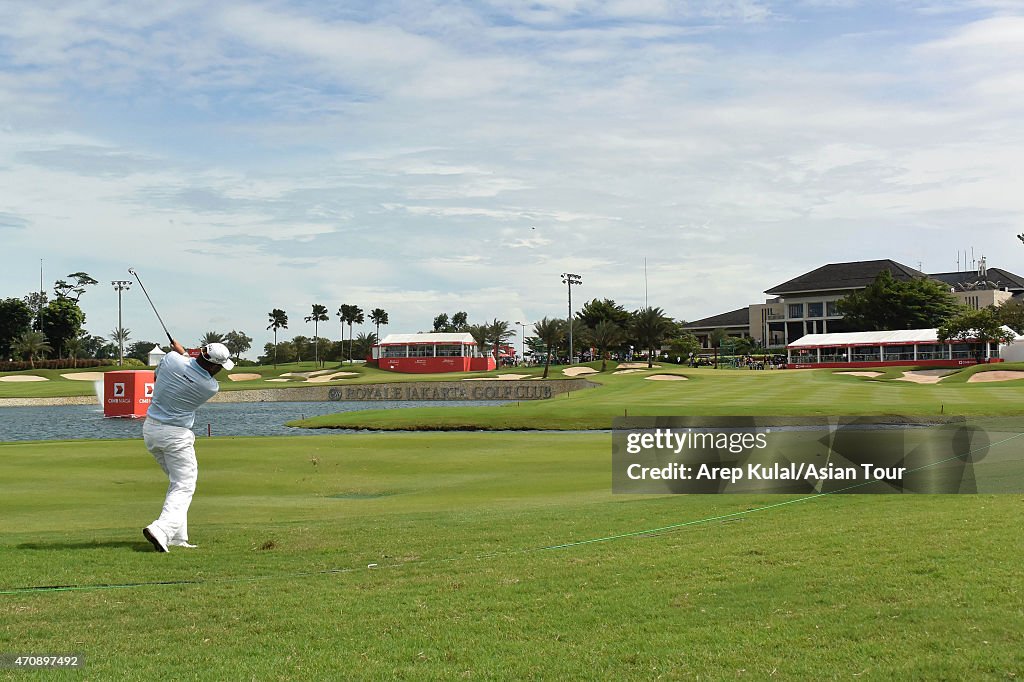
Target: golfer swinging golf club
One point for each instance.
(182, 385)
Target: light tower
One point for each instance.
(523, 356)
(120, 285)
(569, 279)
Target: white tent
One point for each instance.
(156, 354)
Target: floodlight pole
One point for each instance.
(523, 355)
(120, 285)
(570, 279)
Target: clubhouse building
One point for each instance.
(802, 315)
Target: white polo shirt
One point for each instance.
(181, 387)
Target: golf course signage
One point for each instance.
(484, 389)
(428, 391)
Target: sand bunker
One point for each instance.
(322, 378)
(861, 374)
(636, 365)
(28, 377)
(244, 377)
(667, 377)
(576, 371)
(500, 377)
(277, 380)
(998, 375)
(84, 376)
(629, 371)
(925, 376)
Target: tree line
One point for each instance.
(300, 347)
(37, 327)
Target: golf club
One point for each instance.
(136, 275)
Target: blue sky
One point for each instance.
(428, 157)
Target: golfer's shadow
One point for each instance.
(141, 546)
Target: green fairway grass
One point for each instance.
(499, 556)
(710, 392)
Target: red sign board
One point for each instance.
(127, 393)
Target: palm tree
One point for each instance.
(364, 344)
(651, 326)
(32, 343)
(211, 337)
(120, 336)
(378, 316)
(550, 332)
(278, 320)
(318, 315)
(345, 313)
(498, 332)
(606, 335)
(357, 317)
(349, 314)
(74, 348)
(481, 335)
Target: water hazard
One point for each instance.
(69, 422)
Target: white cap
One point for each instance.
(218, 354)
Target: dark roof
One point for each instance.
(995, 278)
(836, 276)
(733, 318)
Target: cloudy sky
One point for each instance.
(428, 157)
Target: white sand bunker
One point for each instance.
(636, 365)
(667, 377)
(500, 377)
(861, 374)
(628, 371)
(27, 377)
(576, 371)
(84, 376)
(244, 377)
(277, 380)
(999, 375)
(925, 376)
(322, 378)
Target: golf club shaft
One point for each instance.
(139, 279)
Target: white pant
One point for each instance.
(174, 450)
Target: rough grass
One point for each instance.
(850, 587)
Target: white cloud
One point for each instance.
(426, 160)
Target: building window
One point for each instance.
(866, 354)
(449, 351)
(421, 351)
(796, 310)
(395, 351)
(832, 309)
(815, 309)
